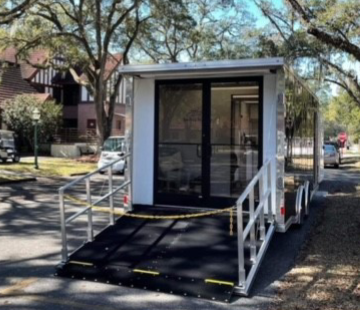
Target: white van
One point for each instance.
(113, 149)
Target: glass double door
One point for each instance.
(207, 141)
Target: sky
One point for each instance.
(261, 20)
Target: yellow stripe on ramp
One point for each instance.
(75, 262)
(213, 281)
(154, 273)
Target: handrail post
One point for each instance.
(252, 229)
(272, 185)
(90, 231)
(111, 197)
(267, 182)
(128, 177)
(262, 191)
(240, 240)
(64, 249)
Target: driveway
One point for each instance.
(30, 246)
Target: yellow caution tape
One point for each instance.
(213, 281)
(155, 273)
(157, 217)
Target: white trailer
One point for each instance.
(239, 138)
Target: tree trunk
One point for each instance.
(103, 120)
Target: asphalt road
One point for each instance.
(30, 246)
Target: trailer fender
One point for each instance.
(307, 197)
(300, 205)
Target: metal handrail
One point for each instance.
(76, 215)
(266, 179)
(252, 183)
(89, 204)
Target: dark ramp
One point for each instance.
(187, 257)
(196, 248)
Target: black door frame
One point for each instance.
(206, 200)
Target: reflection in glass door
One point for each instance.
(234, 137)
(207, 141)
(179, 169)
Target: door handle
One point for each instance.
(198, 150)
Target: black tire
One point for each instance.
(302, 214)
(3, 160)
(336, 166)
(16, 159)
(101, 172)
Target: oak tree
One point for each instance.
(321, 35)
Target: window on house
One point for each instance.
(57, 94)
(70, 123)
(91, 124)
(71, 94)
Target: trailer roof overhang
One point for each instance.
(208, 68)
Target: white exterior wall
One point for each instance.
(270, 116)
(143, 147)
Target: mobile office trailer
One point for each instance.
(216, 124)
(210, 142)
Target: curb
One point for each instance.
(18, 181)
(78, 174)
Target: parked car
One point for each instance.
(112, 150)
(331, 155)
(8, 147)
(337, 146)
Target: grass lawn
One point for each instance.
(49, 167)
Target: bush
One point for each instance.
(17, 115)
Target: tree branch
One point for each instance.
(7, 16)
(346, 88)
(333, 40)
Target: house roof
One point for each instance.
(42, 96)
(39, 57)
(111, 65)
(27, 71)
(12, 84)
(203, 67)
(9, 55)
(36, 57)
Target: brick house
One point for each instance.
(79, 115)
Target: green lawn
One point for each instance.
(49, 167)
